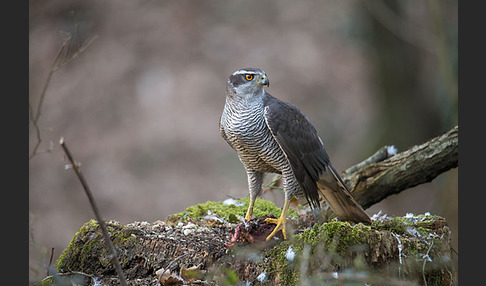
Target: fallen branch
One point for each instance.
(386, 173)
(373, 182)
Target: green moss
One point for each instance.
(48, 281)
(279, 265)
(396, 225)
(339, 241)
(416, 232)
(402, 225)
(62, 262)
(342, 245)
(73, 278)
(261, 208)
(228, 277)
(86, 251)
(339, 237)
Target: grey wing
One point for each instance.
(298, 139)
(310, 163)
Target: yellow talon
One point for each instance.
(280, 222)
(249, 213)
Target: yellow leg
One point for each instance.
(280, 221)
(249, 213)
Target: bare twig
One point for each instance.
(176, 259)
(276, 183)
(96, 211)
(50, 262)
(63, 57)
(426, 258)
(66, 58)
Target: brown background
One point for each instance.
(139, 108)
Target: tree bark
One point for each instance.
(375, 181)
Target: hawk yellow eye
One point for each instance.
(249, 77)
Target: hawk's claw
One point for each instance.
(280, 222)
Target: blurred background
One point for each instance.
(139, 106)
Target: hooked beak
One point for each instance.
(264, 80)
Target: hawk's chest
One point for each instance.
(245, 128)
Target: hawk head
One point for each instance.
(247, 82)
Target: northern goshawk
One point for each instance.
(273, 136)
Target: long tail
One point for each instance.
(338, 197)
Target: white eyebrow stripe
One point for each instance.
(245, 72)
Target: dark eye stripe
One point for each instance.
(239, 79)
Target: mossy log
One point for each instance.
(202, 247)
(208, 245)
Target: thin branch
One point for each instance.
(67, 59)
(63, 57)
(34, 117)
(426, 257)
(50, 262)
(276, 183)
(379, 155)
(37, 131)
(96, 211)
(175, 260)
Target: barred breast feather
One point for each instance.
(243, 126)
